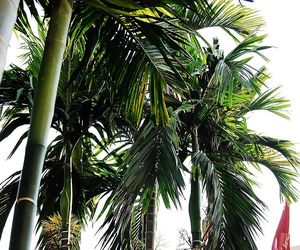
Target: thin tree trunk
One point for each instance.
(1, 110)
(151, 221)
(66, 201)
(195, 197)
(42, 114)
(8, 16)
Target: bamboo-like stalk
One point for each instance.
(195, 197)
(8, 16)
(41, 117)
(66, 201)
(151, 221)
(195, 212)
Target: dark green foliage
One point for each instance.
(151, 158)
(228, 149)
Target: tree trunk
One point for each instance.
(195, 213)
(195, 197)
(8, 16)
(151, 221)
(41, 118)
(66, 201)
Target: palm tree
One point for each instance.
(91, 175)
(44, 107)
(41, 118)
(68, 130)
(214, 132)
(215, 129)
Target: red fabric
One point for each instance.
(282, 237)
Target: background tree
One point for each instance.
(184, 241)
(213, 131)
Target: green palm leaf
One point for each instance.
(8, 194)
(234, 211)
(151, 158)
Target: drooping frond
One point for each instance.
(269, 101)
(8, 194)
(234, 211)
(152, 158)
(234, 71)
(224, 14)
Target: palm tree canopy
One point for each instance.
(228, 147)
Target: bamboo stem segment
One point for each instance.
(8, 16)
(41, 118)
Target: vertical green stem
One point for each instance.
(195, 196)
(41, 118)
(8, 16)
(151, 221)
(66, 201)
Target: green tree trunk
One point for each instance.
(8, 16)
(66, 201)
(195, 196)
(41, 117)
(151, 221)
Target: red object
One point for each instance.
(282, 237)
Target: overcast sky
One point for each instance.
(282, 19)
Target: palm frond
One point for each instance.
(137, 227)
(269, 101)
(224, 14)
(234, 69)
(8, 194)
(234, 211)
(152, 158)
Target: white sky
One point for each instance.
(283, 19)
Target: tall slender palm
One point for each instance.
(215, 129)
(41, 118)
(64, 87)
(222, 147)
(91, 175)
